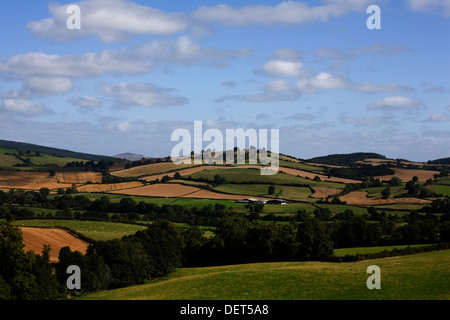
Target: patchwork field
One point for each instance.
(35, 238)
(174, 190)
(95, 230)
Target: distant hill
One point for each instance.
(440, 161)
(21, 146)
(345, 159)
(129, 156)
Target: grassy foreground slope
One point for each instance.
(416, 276)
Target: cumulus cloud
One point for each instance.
(439, 117)
(48, 85)
(87, 102)
(322, 81)
(24, 107)
(281, 68)
(184, 50)
(111, 20)
(366, 87)
(85, 65)
(287, 12)
(277, 86)
(387, 118)
(442, 6)
(395, 103)
(141, 94)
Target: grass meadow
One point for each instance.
(423, 276)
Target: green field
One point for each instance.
(301, 166)
(424, 276)
(441, 189)
(95, 230)
(365, 250)
(8, 161)
(260, 190)
(246, 175)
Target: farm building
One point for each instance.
(252, 200)
(277, 201)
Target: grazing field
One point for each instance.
(261, 190)
(35, 239)
(150, 169)
(365, 250)
(196, 169)
(8, 161)
(309, 175)
(29, 180)
(160, 190)
(424, 276)
(95, 230)
(241, 175)
(441, 189)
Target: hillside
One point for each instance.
(416, 276)
(21, 146)
(440, 161)
(345, 159)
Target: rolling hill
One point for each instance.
(21, 146)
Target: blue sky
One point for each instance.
(138, 70)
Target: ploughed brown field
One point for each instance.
(37, 180)
(407, 174)
(35, 238)
(109, 187)
(29, 180)
(79, 177)
(175, 190)
(320, 192)
(360, 198)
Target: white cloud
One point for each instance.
(87, 102)
(439, 117)
(141, 94)
(278, 85)
(38, 64)
(372, 87)
(442, 6)
(288, 12)
(184, 50)
(282, 68)
(24, 107)
(322, 81)
(48, 85)
(386, 119)
(395, 103)
(111, 20)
